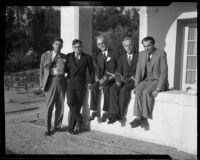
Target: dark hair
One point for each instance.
(127, 39)
(149, 39)
(76, 41)
(58, 39)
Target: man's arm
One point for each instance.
(138, 73)
(163, 75)
(163, 70)
(120, 66)
(41, 71)
(66, 66)
(91, 70)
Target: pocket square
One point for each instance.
(108, 59)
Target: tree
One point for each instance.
(116, 23)
(29, 27)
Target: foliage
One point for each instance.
(19, 61)
(29, 27)
(115, 23)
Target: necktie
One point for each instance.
(129, 60)
(148, 58)
(77, 57)
(104, 55)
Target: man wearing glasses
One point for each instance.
(78, 63)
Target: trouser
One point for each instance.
(120, 98)
(95, 96)
(75, 98)
(144, 99)
(55, 94)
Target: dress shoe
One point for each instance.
(71, 131)
(94, 114)
(135, 123)
(113, 120)
(145, 124)
(48, 133)
(119, 117)
(104, 117)
(58, 129)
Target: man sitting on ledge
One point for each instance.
(151, 78)
(120, 94)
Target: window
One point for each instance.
(189, 76)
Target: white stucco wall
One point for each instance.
(161, 23)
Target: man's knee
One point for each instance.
(146, 92)
(95, 87)
(71, 102)
(106, 89)
(138, 91)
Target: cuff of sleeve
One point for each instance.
(157, 89)
(133, 78)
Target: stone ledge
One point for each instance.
(174, 121)
(176, 97)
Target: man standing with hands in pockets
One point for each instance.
(78, 63)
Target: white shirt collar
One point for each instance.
(129, 55)
(53, 55)
(105, 52)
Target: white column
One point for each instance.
(76, 23)
(69, 26)
(143, 25)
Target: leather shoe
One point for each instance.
(71, 131)
(94, 114)
(145, 124)
(48, 133)
(104, 117)
(135, 123)
(58, 129)
(113, 120)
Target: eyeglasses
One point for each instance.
(100, 43)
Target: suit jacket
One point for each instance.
(158, 65)
(45, 64)
(123, 67)
(77, 71)
(109, 65)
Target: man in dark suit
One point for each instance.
(52, 81)
(120, 93)
(151, 78)
(106, 60)
(78, 63)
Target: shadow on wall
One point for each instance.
(86, 111)
(161, 19)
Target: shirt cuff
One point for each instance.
(157, 89)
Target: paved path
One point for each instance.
(23, 137)
(16, 101)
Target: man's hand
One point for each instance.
(101, 81)
(110, 77)
(134, 90)
(155, 93)
(129, 79)
(89, 86)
